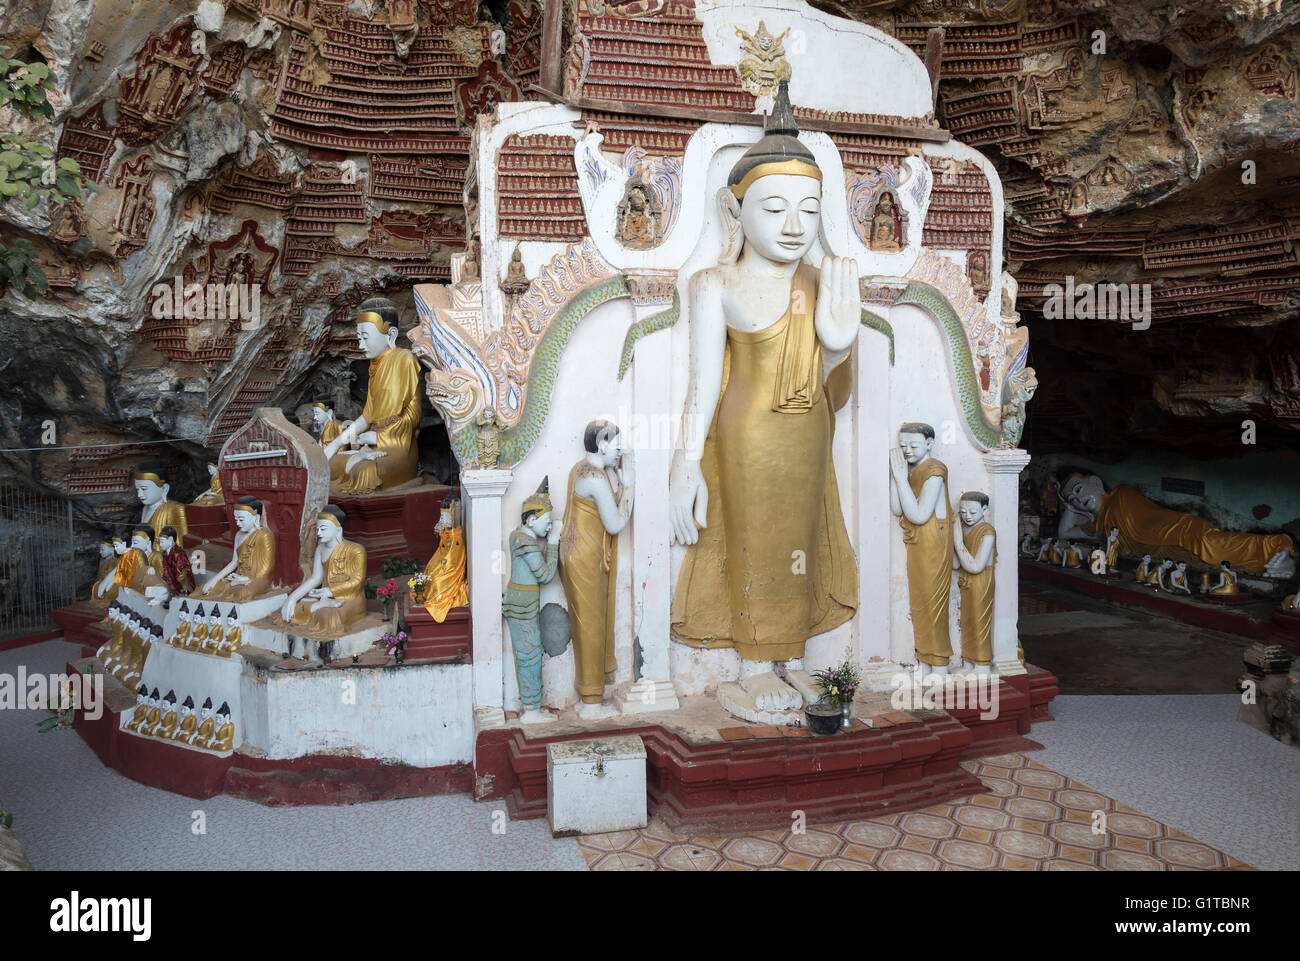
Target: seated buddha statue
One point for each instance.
(152, 719)
(202, 736)
(389, 424)
(328, 427)
(332, 597)
(216, 631)
(199, 633)
(188, 722)
(224, 739)
(212, 497)
(140, 567)
(183, 629)
(107, 585)
(248, 575)
(103, 591)
(157, 511)
(142, 706)
(446, 587)
(231, 638)
(167, 726)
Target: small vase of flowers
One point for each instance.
(838, 685)
(387, 593)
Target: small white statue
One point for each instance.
(1177, 581)
(1045, 551)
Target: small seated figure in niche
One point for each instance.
(183, 629)
(533, 562)
(516, 281)
(1177, 580)
(154, 716)
(216, 631)
(188, 722)
(141, 709)
(639, 215)
(199, 633)
(886, 227)
(232, 636)
(213, 496)
(1227, 582)
(978, 269)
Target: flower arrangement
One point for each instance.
(838, 684)
(387, 593)
(392, 640)
(418, 584)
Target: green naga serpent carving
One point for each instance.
(515, 443)
(925, 296)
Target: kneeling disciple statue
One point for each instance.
(332, 597)
(974, 556)
(248, 575)
(596, 511)
(176, 572)
(753, 485)
(533, 562)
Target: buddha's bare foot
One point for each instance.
(535, 715)
(594, 712)
(770, 693)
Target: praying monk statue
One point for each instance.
(752, 486)
(389, 424)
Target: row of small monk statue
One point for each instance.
(130, 636)
(1166, 574)
(208, 633)
(163, 718)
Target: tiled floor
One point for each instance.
(1033, 820)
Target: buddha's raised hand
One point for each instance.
(839, 304)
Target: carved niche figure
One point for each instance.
(1017, 392)
(762, 66)
(974, 556)
(918, 494)
(977, 267)
(886, 224)
(213, 496)
(447, 587)
(533, 561)
(784, 329)
(389, 425)
(596, 510)
(516, 281)
(640, 215)
(248, 575)
(487, 439)
(332, 597)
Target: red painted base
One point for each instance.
(1286, 629)
(1229, 600)
(399, 524)
(207, 524)
(453, 638)
(1216, 618)
(1042, 688)
(16, 642)
(756, 784)
(316, 779)
(79, 624)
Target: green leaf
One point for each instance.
(33, 201)
(67, 163)
(38, 70)
(11, 159)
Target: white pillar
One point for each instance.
(487, 569)
(1004, 468)
(652, 442)
(874, 521)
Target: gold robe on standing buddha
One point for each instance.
(588, 570)
(929, 569)
(977, 599)
(773, 567)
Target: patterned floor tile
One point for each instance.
(1032, 819)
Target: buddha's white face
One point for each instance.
(245, 520)
(327, 532)
(105, 550)
(187, 616)
(141, 543)
(119, 546)
(230, 621)
(149, 492)
(318, 416)
(186, 711)
(540, 524)
(165, 543)
(212, 470)
(972, 512)
(915, 447)
(780, 216)
(205, 713)
(370, 340)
